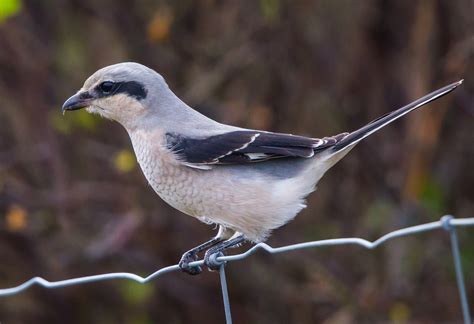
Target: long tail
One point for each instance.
(358, 135)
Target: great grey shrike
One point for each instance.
(246, 181)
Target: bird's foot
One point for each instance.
(186, 259)
(210, 260)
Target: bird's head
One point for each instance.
(122, 92)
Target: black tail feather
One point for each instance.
(358, 135)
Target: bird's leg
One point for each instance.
(192, 255)
(210, 258)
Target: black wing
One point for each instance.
(245, 146)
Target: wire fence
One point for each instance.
(448, 223)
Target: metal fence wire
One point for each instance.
(447, 223)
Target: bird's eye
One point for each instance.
(106, 86)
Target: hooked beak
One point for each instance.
(78, 101)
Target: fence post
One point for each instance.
(225, 295)
(446, 221)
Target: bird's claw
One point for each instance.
(186, 259)
(210, 260)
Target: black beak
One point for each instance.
(78, 101)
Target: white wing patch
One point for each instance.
(252, 139)
(199, 166)
(256, 156)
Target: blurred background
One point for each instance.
(73, 201)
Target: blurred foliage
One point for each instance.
(73, 201)
(433, 197)
(65, 124)
(270, 9)
(136, 293)
(16, 218)
(160, 25)
(400, 313)
(9, 8)
(377, 216)
(125, 161)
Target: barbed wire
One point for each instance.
(448, 223)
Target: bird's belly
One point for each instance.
(243, 202)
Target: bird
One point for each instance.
(247, 182)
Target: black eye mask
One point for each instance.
(130, 88)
